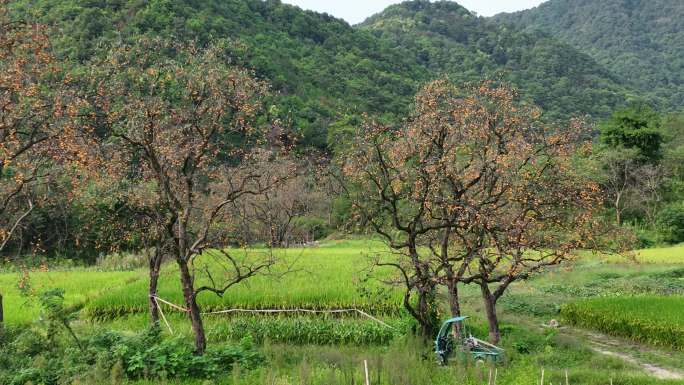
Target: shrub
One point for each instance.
(122, 261)
(31, 357)
(671, 223)
(148, 355)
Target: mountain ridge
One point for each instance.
(329, 73)
(642, 41)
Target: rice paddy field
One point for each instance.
(81, 286)
(333, 276)
(640, 300)
(649, 319)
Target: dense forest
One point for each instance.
(328, 73)
(641, 41)
(448, 39)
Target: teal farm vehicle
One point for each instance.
(464, 344)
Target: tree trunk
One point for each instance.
(155, 267)
(2, 314)
(618, 210)
(490, 310)
(454, 305)
(426, 322)
(194, 311)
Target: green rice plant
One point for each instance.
(332, 276)
(654, 320)
(673, 255)
(307, 330)
(80, 286)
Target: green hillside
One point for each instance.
(642, 41)
(448, 39)
(326, 72)
(322, 67)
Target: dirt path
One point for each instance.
(609, 346)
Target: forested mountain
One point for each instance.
(322, 67)
(447, 38)
(327, 72)
(642, 41)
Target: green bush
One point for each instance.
(149, 356)
(671, 223)
(317, 228)
(30, 356)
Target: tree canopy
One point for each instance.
(641, 41)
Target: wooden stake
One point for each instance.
(496, 374)
(542, 377)
(365, 367)
(489, 382)
(2, 317)
(567, 379)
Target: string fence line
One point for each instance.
(274, 311)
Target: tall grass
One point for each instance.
(672, 255)
(80, 286)
(654, 320)
(330, 277)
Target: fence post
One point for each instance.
(2, 317)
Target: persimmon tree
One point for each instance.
(510, 186)
(27, 114)
(471, 189)
(177, 120)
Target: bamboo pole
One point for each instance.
(365, 368)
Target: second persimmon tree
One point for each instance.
(472, 189)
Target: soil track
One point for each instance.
(609, 346)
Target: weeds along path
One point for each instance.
(651, 360)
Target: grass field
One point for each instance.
(654, 320)
(332, 276)
(330, 350)
(80, 287)
(662, 255)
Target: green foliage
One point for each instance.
(56, 316)
(149, 355)
(317, 228)
(321, 65)
(637, 127)
(80, 286)
(449, 40)
(30, 356)
(639, 40)
(80, 225)
(328, 72)
(656, 320)
(671, 222)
